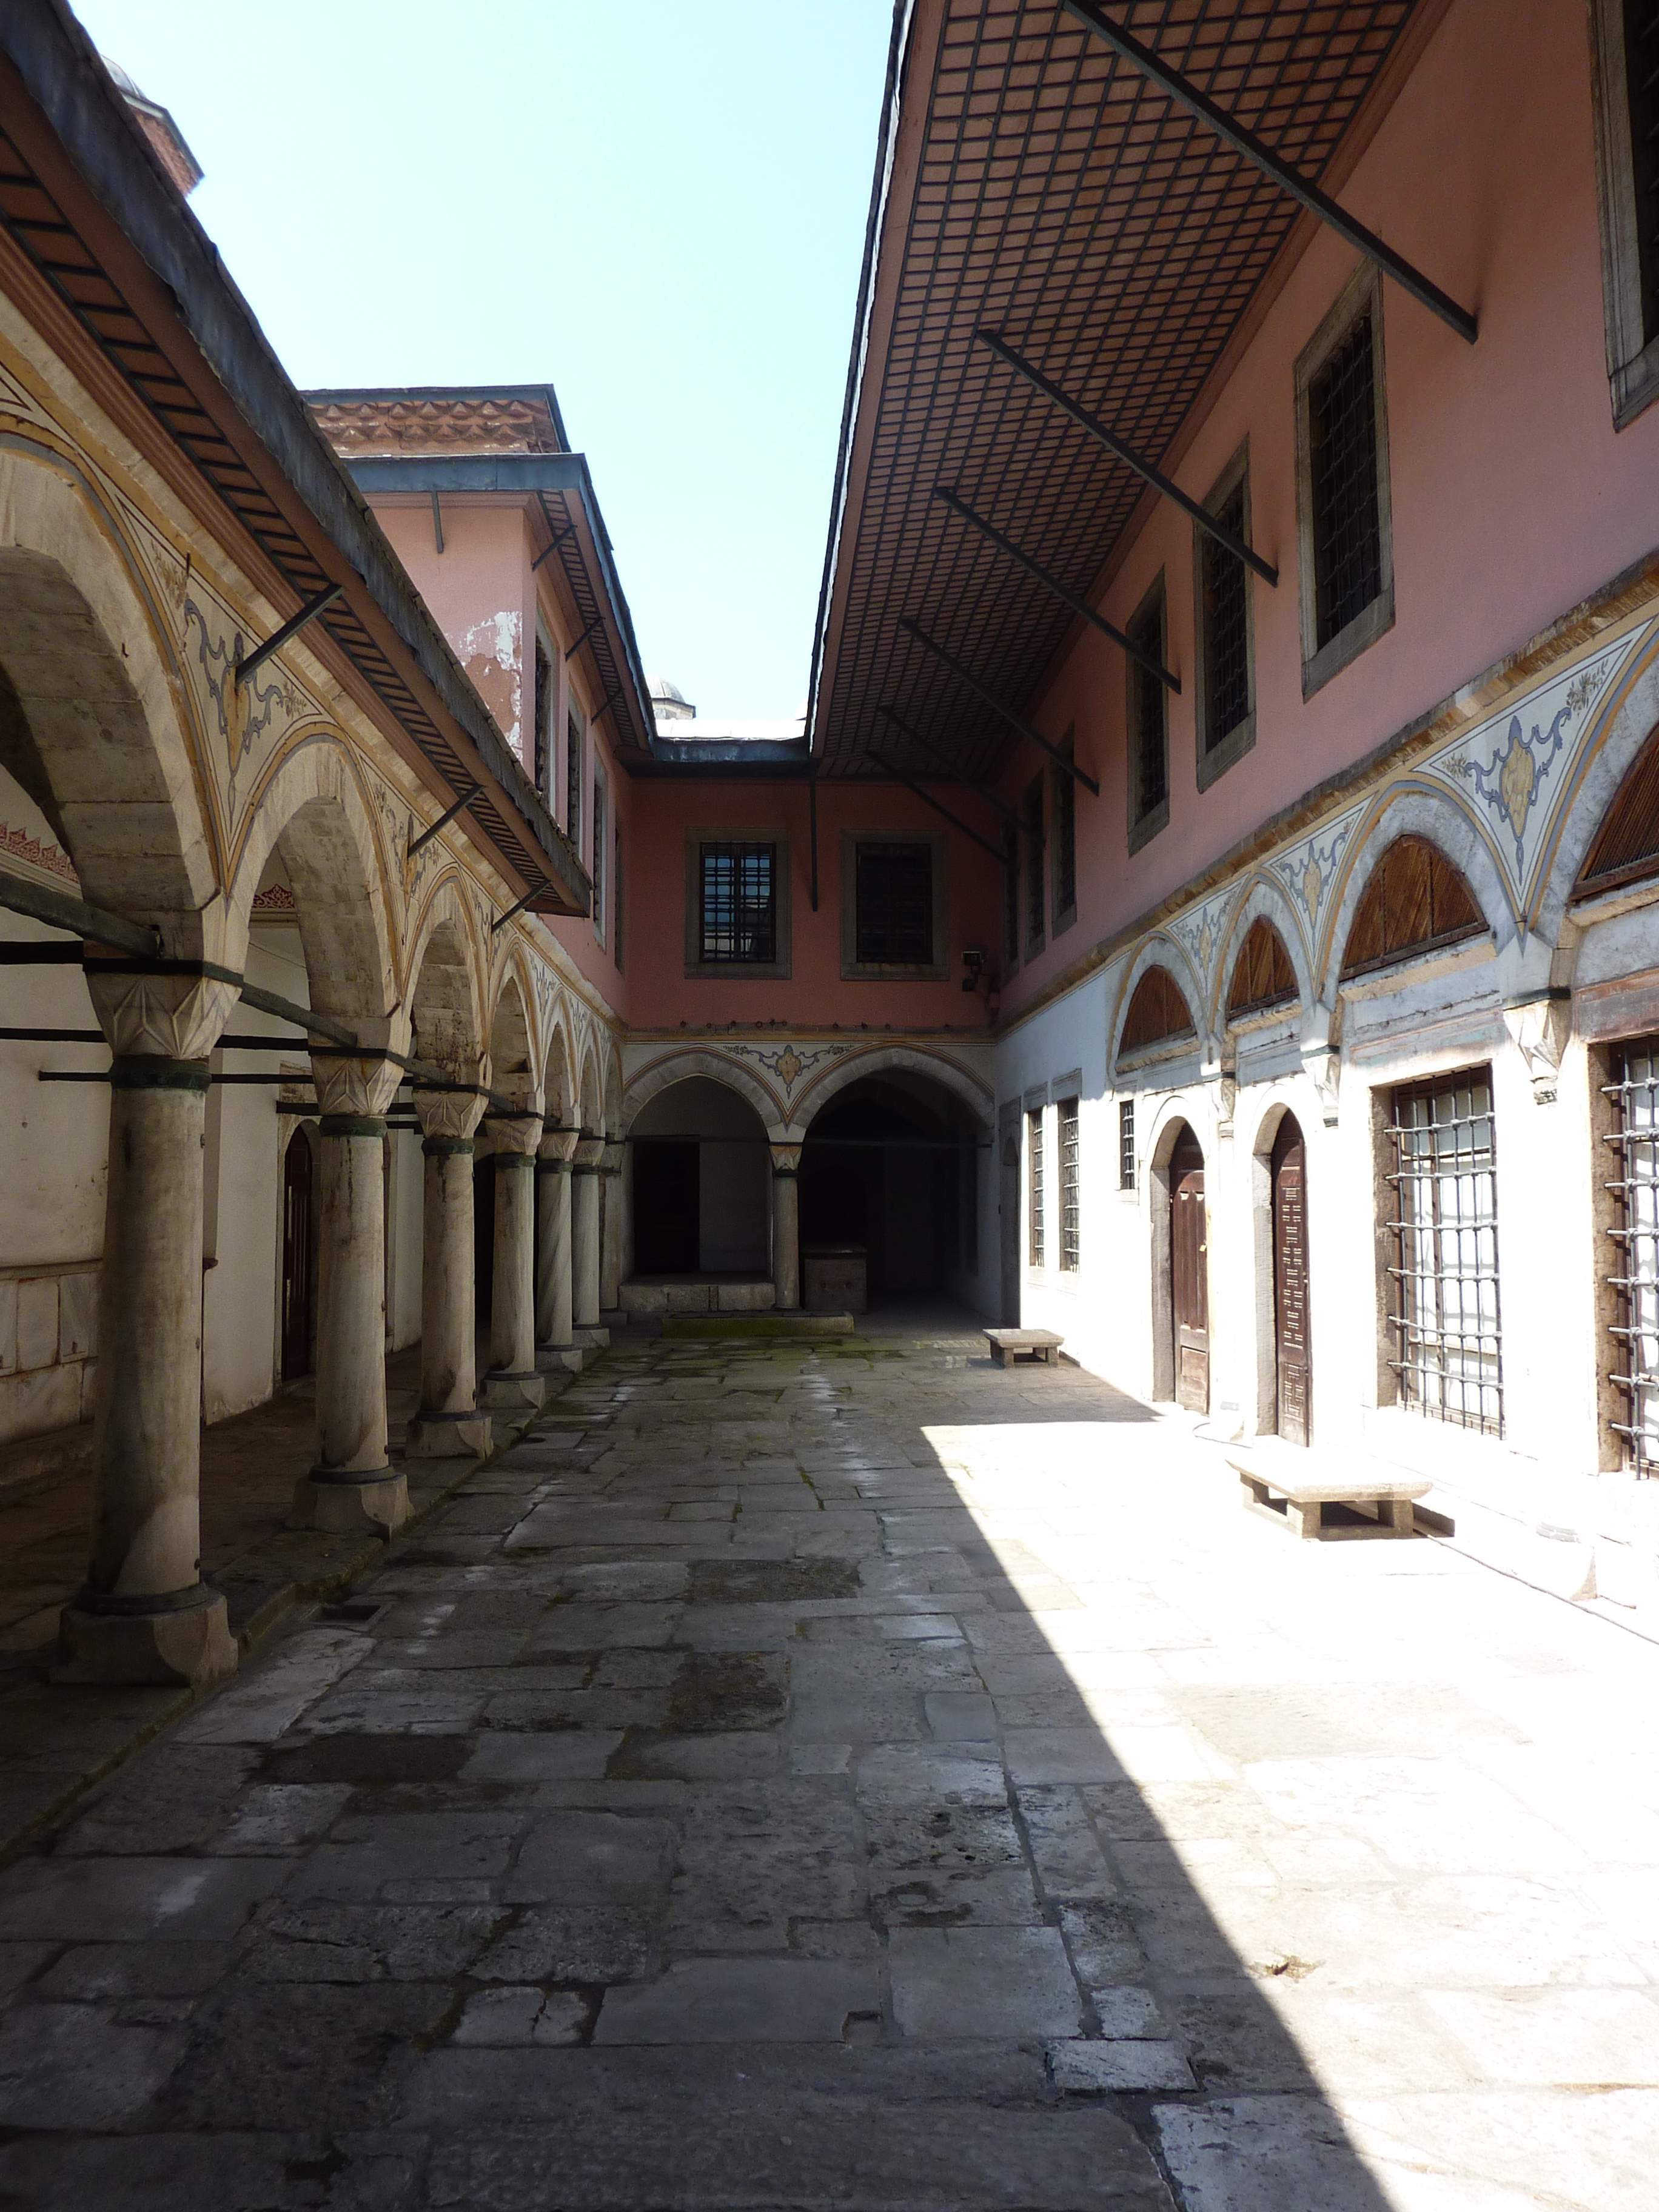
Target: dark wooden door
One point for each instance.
(1289, 1182)
(296, 1257)
(1008, 1223)
(1189, 1287)
(666, 1223)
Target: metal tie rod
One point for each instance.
(1128, 454)
(939, 754)
(1018, 721)
(444, 820)
(1148, 660)
(1290, 180)
(309, 612)
(955, 820)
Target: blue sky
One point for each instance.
(658, 207)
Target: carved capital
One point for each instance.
(611, 1160)
(360, 1085)
(160, 1016)
(588, 1153)
(1538, 1029)
(451, 1114)
(1324, 1068)
(522, 1134)
(559, 1144)
(785, 1159)
(1226, 1103)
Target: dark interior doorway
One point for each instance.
(299, 1258)
(667, 1212)
(1292, 1362)
(883, 1167)
(1189, 1281)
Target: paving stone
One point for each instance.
(322, 1940)
(68, 2067)
(742, 2001)
(1085, 2067)
(540, 1754)
(127, 1899)
(591, 1859)
(164, 2173)
(953, 1982)
(573, 1943)
(504, 2018)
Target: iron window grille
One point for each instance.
(894, 891)
(1064, 844)
(1148, 713)
(1347, 527)
(572, 782)
(1126, 1144)
(543, 720)
(1034, 1154)
(1635, 1232)
(1070, 1233)
(1011, 894)
(739, 906)
(616, 898)
(1224, 612)
(598, 856)
(1448, 1339)
(1642, 90)
(1032, 811)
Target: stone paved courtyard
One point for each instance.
(846, 1775)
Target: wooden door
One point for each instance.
(1008, 1221)
(666, 1215)
(296, 1257)
(1189, 1288)
(1290, 1199)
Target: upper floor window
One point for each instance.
(598, 854)
(1065, 833)
(1342, 485)
(1625, 43)
(739, 906)
(1148, 723)
(892, 905)
(1031, 811)
(1011, 895)
(616, 899)
(543, 709)
(572, 779)
(1226, 672)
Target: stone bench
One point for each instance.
(1031, 1343)
(1305, 1491)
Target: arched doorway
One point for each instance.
(1292, 1365)
(1189, 1287)
(298, 1326)
(702, 1193)
(890, 1168)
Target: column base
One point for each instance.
(557, 1363)
(374, 1503)
(514, 1393)
(449, 1436)
(591, 1338)
(181, 1640)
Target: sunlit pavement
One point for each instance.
(849, 1775)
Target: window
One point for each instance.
(598, 853)
(1446, 1352)
(1416, 902)
(1626, 846)
(895, 894)
(1262, 975)
(1626, 46)
(616, 900)
(892, 905)
(573, 780)
(1031, 816)
(1065, 887)
(1157, 1012)
(1342, 485)
(1069, 1233)
(1634, 1279)
(739, 906)
(1034, 1186)
(1148, 724)
(543, 770)
(1011, 895)
(1126, 1144)
(1226, 672)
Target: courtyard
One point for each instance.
(841, 1773)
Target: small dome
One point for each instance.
(668, 702)
(660, 688)
(124, 82)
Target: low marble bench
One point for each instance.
(1306, 1492)
(1031, 1343)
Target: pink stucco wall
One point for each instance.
(1513, 497)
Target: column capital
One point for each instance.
(785, 1159)
(360, 1085)
(610, 1160)
(515, 1136)
(451, 1114)
(558, 1146)
(152, 1013)
(589, 1153)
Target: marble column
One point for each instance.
(352, 1486)
(785, 1226)
(143, 1614)
(610, 1226)
(585, 1231)
(513, 1382)
(554, 1306)
(450, 1423)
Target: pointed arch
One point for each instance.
(592, 1093)
(1415, 900)
(1157, 1012)
(446, 966)
(1625, 845)
(512, 1060)
(1263, 975)
(659, 1075)
(559, 1086)
(1156, 951)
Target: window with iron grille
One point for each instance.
(1344, 560)
(572, 782)
(616, 900)
(1447, 1352)
(1011, 894)
(1126, 1144)
(1149, 729)
(543, 720)
(1642, 94)
(1034, 1249)
(739, 905)
(1031, 814)
(1065, 841)
(1625, 49)
(1069, 1228)
(599, 856)
(1634, 1276)
(895, 906)
(1226, 702)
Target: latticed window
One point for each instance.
(1225, 618)
(1126, 1144)
(598, 854)
(1634, 1277)
(1642, 88)
(616, 901)
(1149, 731)
(1070, 1234)
(739, 907)
(895, 895)
(1447, 1350)
(572, 782)
(1032, 812)
(1033, 1249)
(1066, 836)
(1347, 527)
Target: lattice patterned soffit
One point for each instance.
(446, 423)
